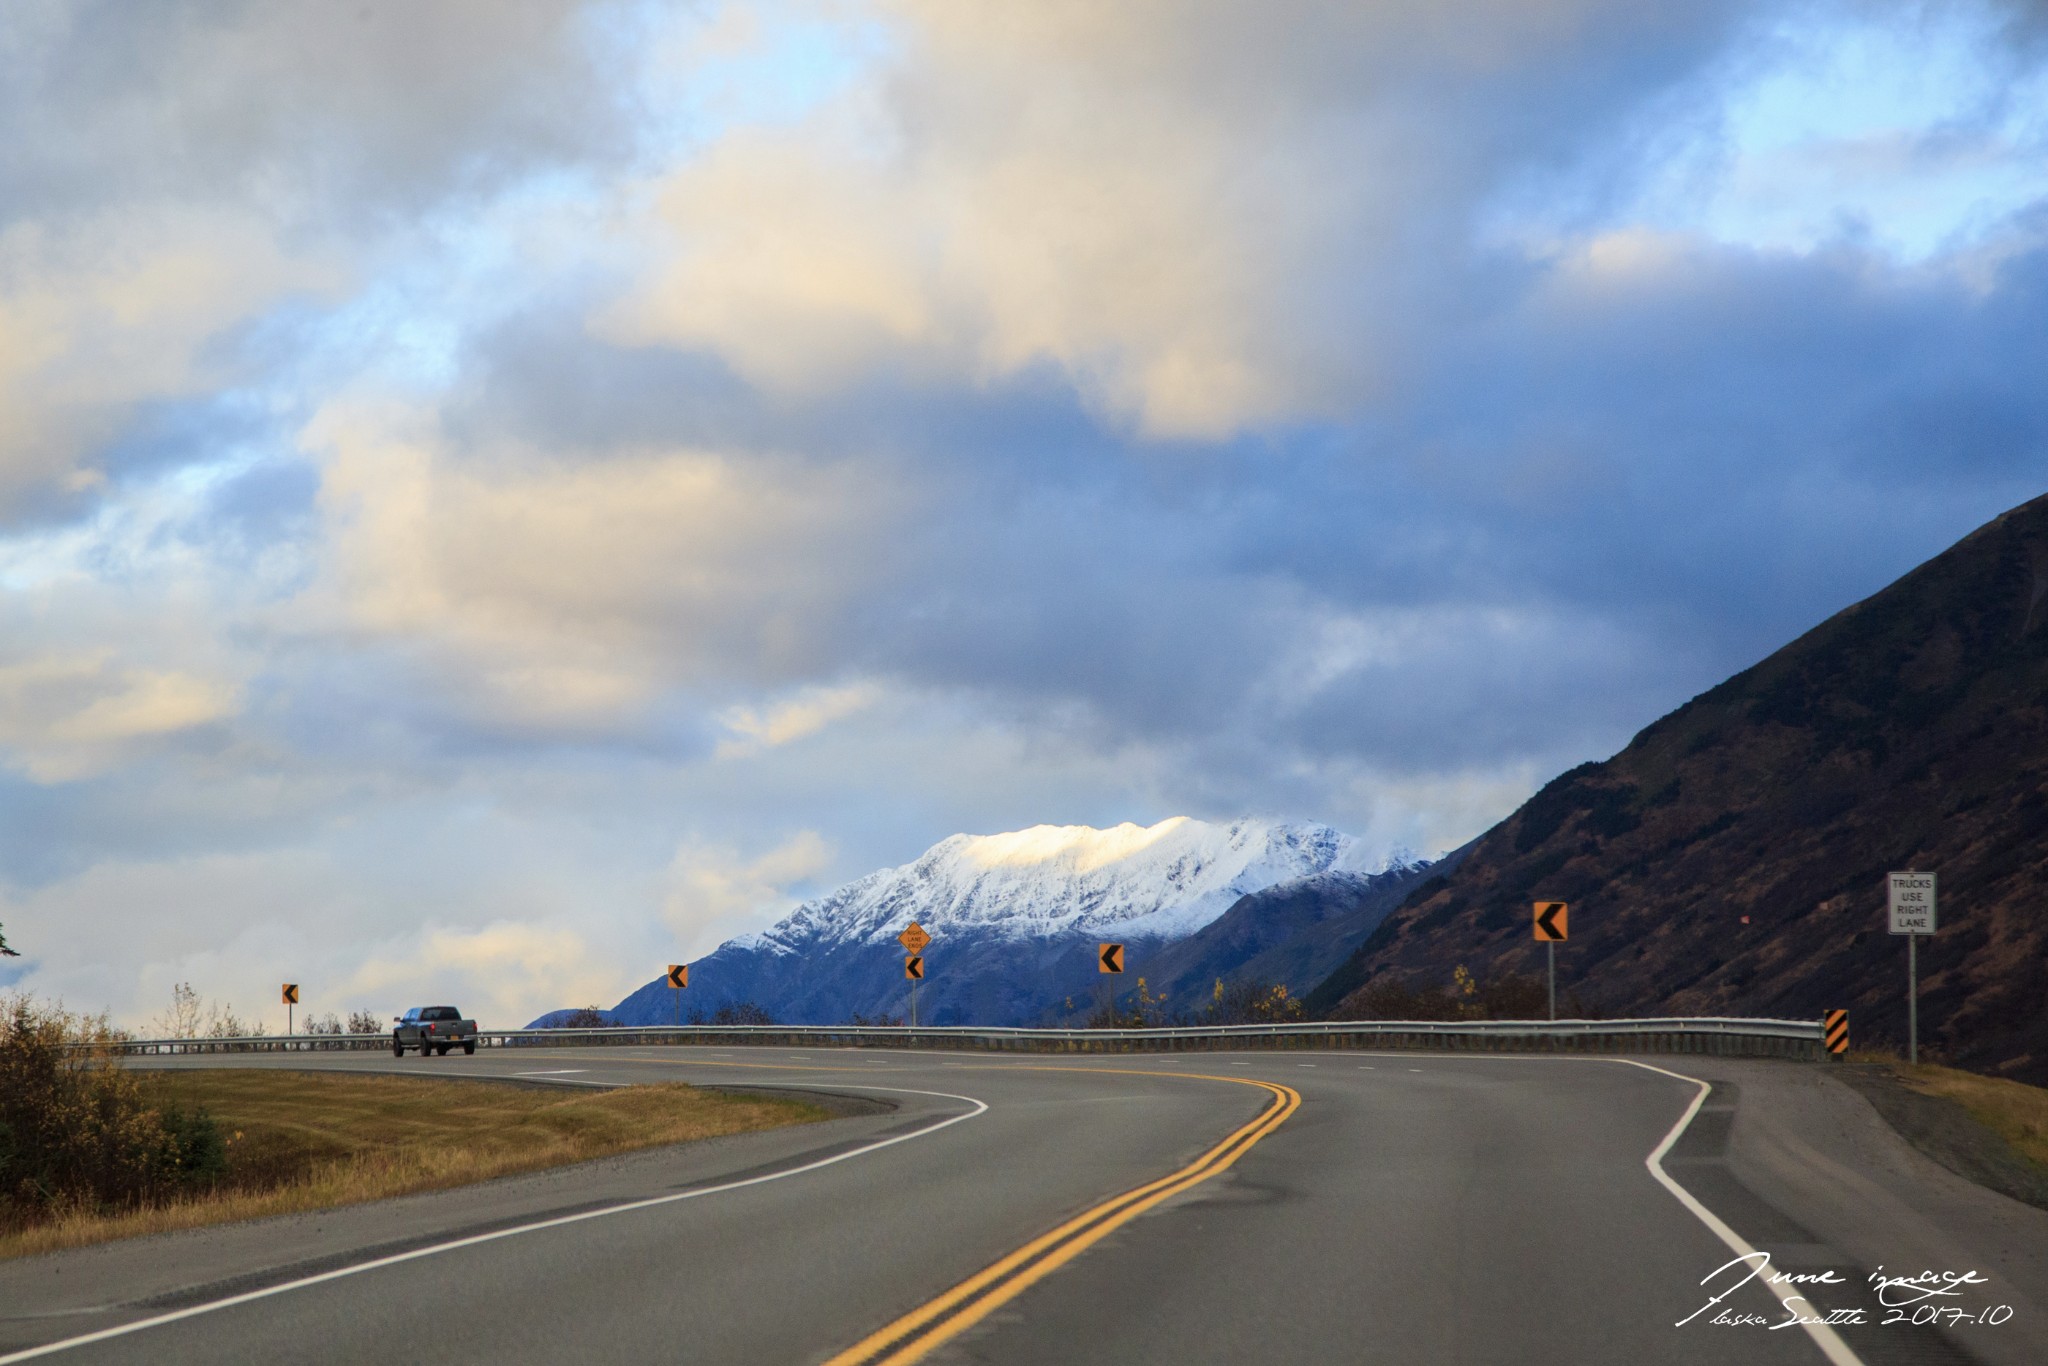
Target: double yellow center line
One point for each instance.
(966, 1304)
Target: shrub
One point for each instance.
(1144, 1010)
(1510, 996)
(740, 1013)
(194, 1152)
(78, 1131)
(1251, 1003)
(191, 1017)
(1387, 997)
(364, 1022)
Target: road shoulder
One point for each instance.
(57, 1295)
(1814, 1148)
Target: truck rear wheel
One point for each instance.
(469, 1046)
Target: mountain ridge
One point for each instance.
(1730, 859)
(1013, 918)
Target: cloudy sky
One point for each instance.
(498, 495)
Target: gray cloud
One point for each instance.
(317, 114)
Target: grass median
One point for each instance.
(300, 1141)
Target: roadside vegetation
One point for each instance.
(78, 1137)
(1228, 1003)
(732, 1013)
(91, 1151)
(190, 1016)
(2015, 1111)
(1508, 996)
(358, 1022)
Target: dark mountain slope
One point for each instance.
(1909, 731)
(1295, 933)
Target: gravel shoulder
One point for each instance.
(1948, 1134)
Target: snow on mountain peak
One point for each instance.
(1076, 848)
(1163, 881)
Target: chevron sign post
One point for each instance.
(1550, 925)
(678, 978)
(1109, 961)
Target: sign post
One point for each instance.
(678, 978)
(1109, 960)
(291, 998)
(1550, 923)
(1911, 897)
(914, 940)
(913, 968)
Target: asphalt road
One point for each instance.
(1313, 1207)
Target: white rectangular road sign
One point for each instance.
(1912, 903)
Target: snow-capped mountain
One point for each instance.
(1013, 919)
(1161, 882)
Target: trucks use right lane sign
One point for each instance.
(1912, 903)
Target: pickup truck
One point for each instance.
(439, 1028)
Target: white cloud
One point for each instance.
(68, 717)
(496, 972)
(575, 592)
(755, 729)
(99, 317)
(1015, 193)
(715, 892)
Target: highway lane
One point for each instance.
(1415, 1208)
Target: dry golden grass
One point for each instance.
(2016, 1111)
(303, 1141)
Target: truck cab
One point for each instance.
(435, 1028)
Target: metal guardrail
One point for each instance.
(1697, 1034)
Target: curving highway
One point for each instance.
(1260, 1206)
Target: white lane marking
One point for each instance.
(1825, 1338)
(1240, 1064)
(1304, 1064)
(1830, 1342)
(558, 1072)
(1368, 1069)
(122, 1330)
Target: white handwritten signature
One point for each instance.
(1893, 1292)
(1896, 1291)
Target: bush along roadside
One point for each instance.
(1508, 996)
(80, 1135)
